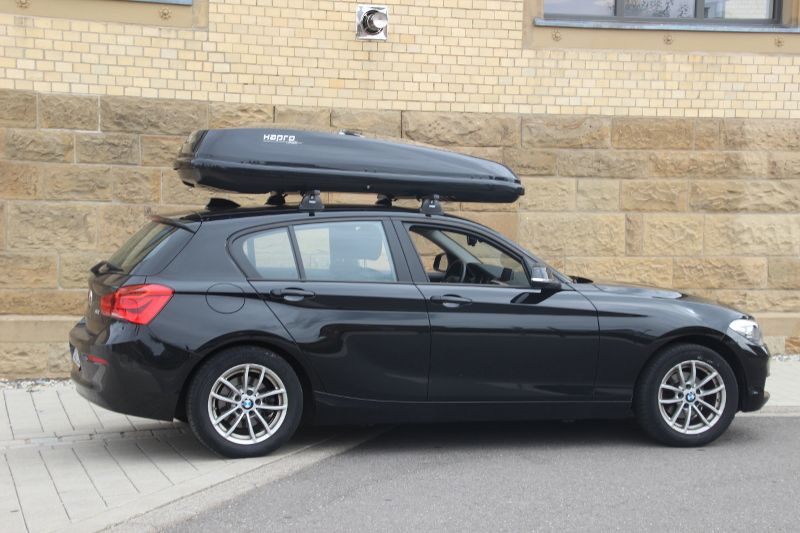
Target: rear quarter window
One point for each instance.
(150, 249)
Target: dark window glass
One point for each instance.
(143, 245)
(345, 251)
(270, 253)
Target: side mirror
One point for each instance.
(437, 263)
(541, 278)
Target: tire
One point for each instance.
(255, 425)
(662, 401)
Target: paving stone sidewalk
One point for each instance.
(66, 464)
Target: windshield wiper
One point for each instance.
(105, 267)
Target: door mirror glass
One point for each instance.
(541, 278)
(440, 262)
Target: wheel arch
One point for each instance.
(299, 368)
(712, 343)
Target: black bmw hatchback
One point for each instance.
(245, 321)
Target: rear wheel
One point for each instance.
(245, 402)
(687, 396)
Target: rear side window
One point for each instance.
(150, 249)
(270, 254)
(345, 251)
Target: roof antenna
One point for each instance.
(311, 202)
(431, 206)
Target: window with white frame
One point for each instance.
(705, 11)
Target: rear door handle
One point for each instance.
(291, 294)
(451, 300)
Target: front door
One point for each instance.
(349, 305)
(493, 336)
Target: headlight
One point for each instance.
(748, 329)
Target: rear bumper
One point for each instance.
(126, 370)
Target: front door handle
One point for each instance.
(291, 294)
(451, 300)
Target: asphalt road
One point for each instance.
(581, 476)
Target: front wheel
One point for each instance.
(244, 402)
(687, 396)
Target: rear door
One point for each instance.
(342, 290)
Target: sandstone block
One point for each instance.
(652, 133)
(23, 328)
(655, 272)
(503, 222)
(669, 235)
(2, 225)
(225, 115)
(752, 234)
(160, 150)
(565, 131)
(462, 129)
(720, 272)
(173, 191)
(547, 194)
(634, 234)
(740, 134)
(654, 195)
(147, 115)
(116, 224)
(603, 163)
(23, 360)
(738, 195)
(27, 271)
(784, 272)
(492, 153)
(525, 161)
(709, 164)
(136, 185)
(381, 123)
(77, 182)
(42, 301)
(20, 181)
(792, 346)
(707, 134)
(59, 361)
(755, 300)
(573, 234)
(17, 109)
(307, 116)
(51, 226)
(74, 269)
(598, 195)
(784, 164)
(117, 148)
(39, 145)
(68, 112)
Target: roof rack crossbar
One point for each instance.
(431, 205)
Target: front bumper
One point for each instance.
(125, 370)
(754, 366)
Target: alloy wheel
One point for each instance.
(247, 404)
(691, 397)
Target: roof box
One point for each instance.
(291, 161)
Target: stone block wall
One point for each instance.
(710, 206)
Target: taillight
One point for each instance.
(136, 303)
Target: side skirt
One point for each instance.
(332, 409)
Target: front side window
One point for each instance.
(678, 10)
(345, 251)
(455, 257)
